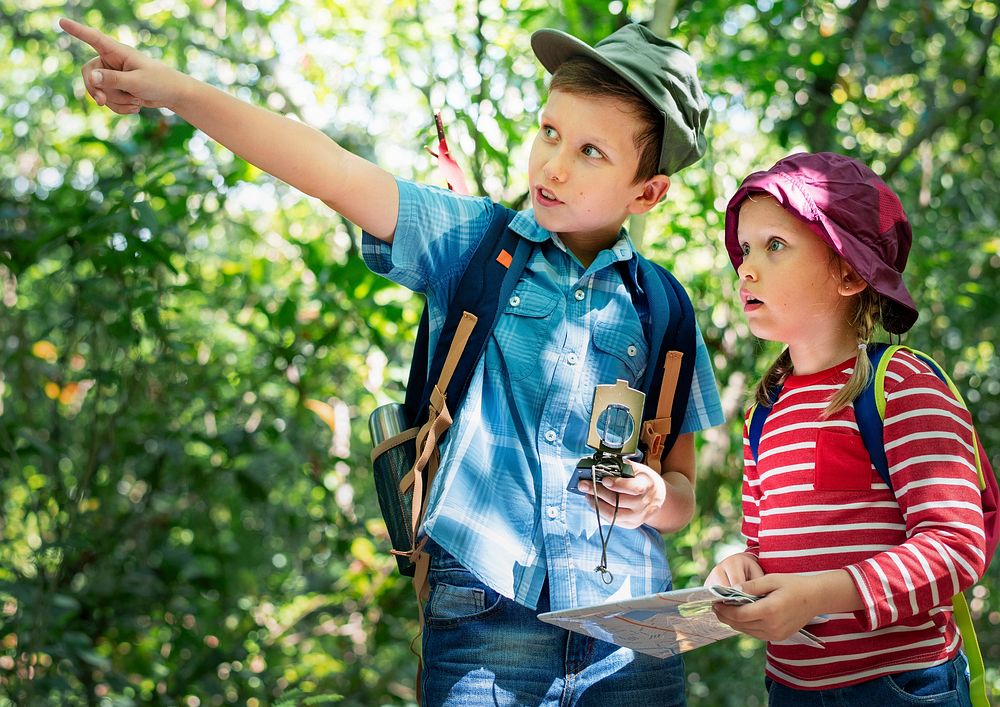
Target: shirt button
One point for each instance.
(550, 436)
(571, 359)
(514, 301)
(632, 351)
(552, 512)
(579, 294)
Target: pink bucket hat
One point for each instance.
(847, 205)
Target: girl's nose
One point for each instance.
(745, 271)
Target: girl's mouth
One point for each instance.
(749, 301)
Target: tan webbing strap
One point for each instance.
(438, 422)
(458, 343)
(428, 459)
(391, 442)
(421, 561)
(656, 430)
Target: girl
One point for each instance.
(819, 243)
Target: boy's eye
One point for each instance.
(591, 151)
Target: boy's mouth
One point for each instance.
(546, 198)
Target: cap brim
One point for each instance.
(553, 47)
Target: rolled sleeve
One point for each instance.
(434, 236)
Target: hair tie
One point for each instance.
(863, 346)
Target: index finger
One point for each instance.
(636, 485)
(100, 42)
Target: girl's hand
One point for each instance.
(790, 601)
(122, 78)
(735, 569)
(639, 498)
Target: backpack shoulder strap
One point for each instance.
(488, 279)
(757, 417)
(672, 355)
(981, 461)
(869, 409)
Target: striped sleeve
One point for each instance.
(928, 443)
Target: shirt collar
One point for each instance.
(525, 225)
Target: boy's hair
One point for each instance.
(584, 77)
(866, 318)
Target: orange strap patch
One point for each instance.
(505, 258)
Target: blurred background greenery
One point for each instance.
(189, 350)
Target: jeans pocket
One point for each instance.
(929, 686)
(456, 595)
(451, 604)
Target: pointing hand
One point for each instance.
(122, 78)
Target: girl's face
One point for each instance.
(793, 287)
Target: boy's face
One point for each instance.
(581, 170)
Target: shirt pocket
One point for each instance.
(842, 462)
(619, 353)
(521, 330)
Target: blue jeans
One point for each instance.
(481, 648)
(945, 685)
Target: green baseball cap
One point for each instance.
(658, 69)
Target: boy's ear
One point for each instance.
(850, 282)
(653, 190)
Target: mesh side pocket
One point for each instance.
(390, 466)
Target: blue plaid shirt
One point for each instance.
(500, 502)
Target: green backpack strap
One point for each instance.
(959, 604)
(940, 373)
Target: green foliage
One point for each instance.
(188, 350)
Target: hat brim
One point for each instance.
(902, 312)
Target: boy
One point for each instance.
(506, 541)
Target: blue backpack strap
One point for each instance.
(673, 332)
(869, 420)
(489, 278)
(869, 408)
(758, 416)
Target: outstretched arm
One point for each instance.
(125, 80)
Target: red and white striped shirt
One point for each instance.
(813, 502)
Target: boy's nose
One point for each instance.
(555, 169)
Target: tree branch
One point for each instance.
(938, 119)
(821, 91)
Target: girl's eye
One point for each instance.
(549, 132)
(745, 249)
(591, 151)
(775, 246)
